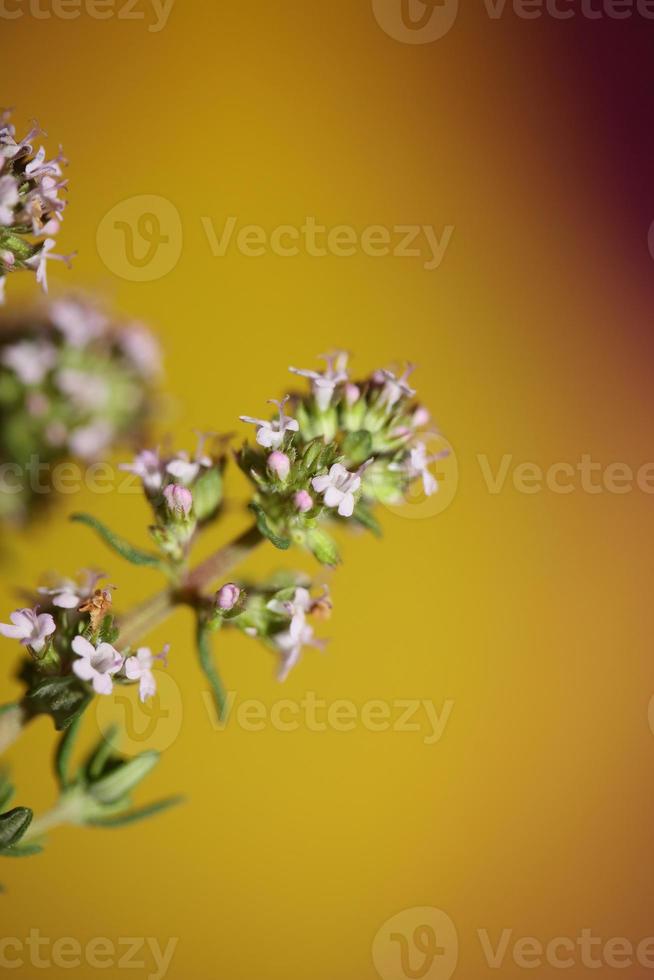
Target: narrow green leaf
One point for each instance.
(119, 545)
(135, 815)
(98, 758)
(262, 523)
(64, 751)
(205, 657)
(21, 851)
(13, 825)
(123, 778)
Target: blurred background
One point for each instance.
(524, 617)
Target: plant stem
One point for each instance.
(157, 609)
(67, 810)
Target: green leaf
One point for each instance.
(64, 751)
(207, 494)
(22, 851)
(364, 516)
(63, 698)
(203, 637)
(262, 523)
(323, 547)
(13, 826)
(119, 545)
(120, 820)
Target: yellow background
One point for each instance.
(531, 612)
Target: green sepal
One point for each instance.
(364, 516)
(13, 826)
(207, 494)
(63, 698)
(126, 550)
(357, 446)
(262, 523)
(322, 546)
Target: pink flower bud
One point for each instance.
(228, 596)
(279, 465)
(420, 417)
(303, 501)
(179, 500)
(352, 394)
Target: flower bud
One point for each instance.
(352, 393)
(228, 596)
(179, 500)
(279, 465)
(303, 501)
(420, 417)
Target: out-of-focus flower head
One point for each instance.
(73, 384)
(31, 203)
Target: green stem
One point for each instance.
(67, 810)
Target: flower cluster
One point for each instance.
(71, 641)
(334, 453)
(31, 206)
(278, 616)
(72, 382)
(184, 492)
